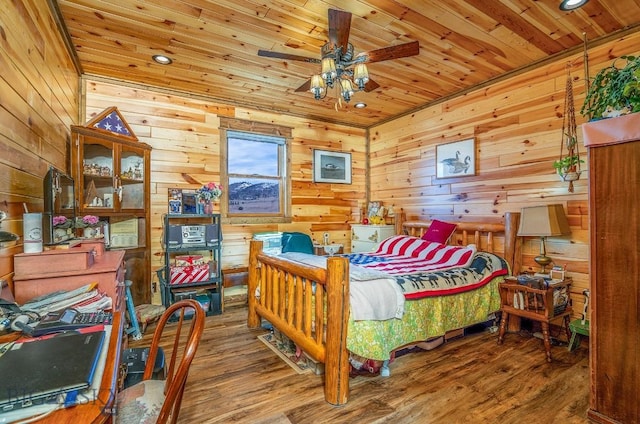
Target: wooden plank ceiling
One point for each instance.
(214, 46)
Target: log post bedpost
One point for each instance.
(255, 247)
(512, 243)
(336, 387)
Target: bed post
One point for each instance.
(255, 247)
(512, 243)
(400, 218)
(336, 371)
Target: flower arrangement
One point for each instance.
(88, 221)
(61, 221)
(210, 191)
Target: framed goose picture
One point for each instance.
(457, 159)
(331, 167)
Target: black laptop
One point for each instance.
(45, 371)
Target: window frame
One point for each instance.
(284, 166)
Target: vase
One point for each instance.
(89, 232)
(208, 207)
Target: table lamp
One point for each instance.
(543, 221)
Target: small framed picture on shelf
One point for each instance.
(557, 273)
(189, 201)
(107, 200)
(373, 209)
(175, 201)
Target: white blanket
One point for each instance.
(374, 295)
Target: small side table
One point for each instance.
(545, 305)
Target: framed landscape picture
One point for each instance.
(331, 167)
(457, 159)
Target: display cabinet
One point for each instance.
(110, 168)
(192, 261)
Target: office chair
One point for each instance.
(160, 400)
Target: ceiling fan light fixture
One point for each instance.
(346, 89)
(162, 59)
(318, 87)
(360, 105)
(328, 71)
(568, 5)
(360, 75)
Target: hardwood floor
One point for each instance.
(235, 378)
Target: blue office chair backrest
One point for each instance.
(296, 242)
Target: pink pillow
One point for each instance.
(439, 231)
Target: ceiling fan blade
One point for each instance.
(304, 87)
(371, 85)
(339, 27)
(391, 52)
(286, 56)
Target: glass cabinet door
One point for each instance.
(98, 175)
(131, 182)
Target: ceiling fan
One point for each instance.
(339, 65)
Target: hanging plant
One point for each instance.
(615, 90)
(568, 165)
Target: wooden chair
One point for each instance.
(159, 400)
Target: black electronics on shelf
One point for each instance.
(192, 260)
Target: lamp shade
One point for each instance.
(542, 221)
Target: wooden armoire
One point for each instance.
(613, 147)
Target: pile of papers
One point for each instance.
(84, 299)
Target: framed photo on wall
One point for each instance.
(331, 167)
(457, 159)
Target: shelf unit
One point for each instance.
(189, 235)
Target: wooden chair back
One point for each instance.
(188, 330)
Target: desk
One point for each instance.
(98, 411)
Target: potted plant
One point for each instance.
(567, 167)
(615, 90)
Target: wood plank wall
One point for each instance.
(183, 132)
(39, 100)
(517, 125)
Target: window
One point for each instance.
(257, 181)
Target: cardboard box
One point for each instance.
(189, 274)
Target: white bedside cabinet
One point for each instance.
(366, 238)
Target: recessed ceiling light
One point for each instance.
(567, 5)
(360, 105)
(162, 59)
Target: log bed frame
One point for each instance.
(315, 316)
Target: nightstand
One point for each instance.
(366, 238)
(547, 304)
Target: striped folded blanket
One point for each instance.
(401, 255)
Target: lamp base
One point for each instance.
(542, 260)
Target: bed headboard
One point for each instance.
(485, 235)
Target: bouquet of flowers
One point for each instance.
(61, 221)
(88, 221)
(209, 192)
